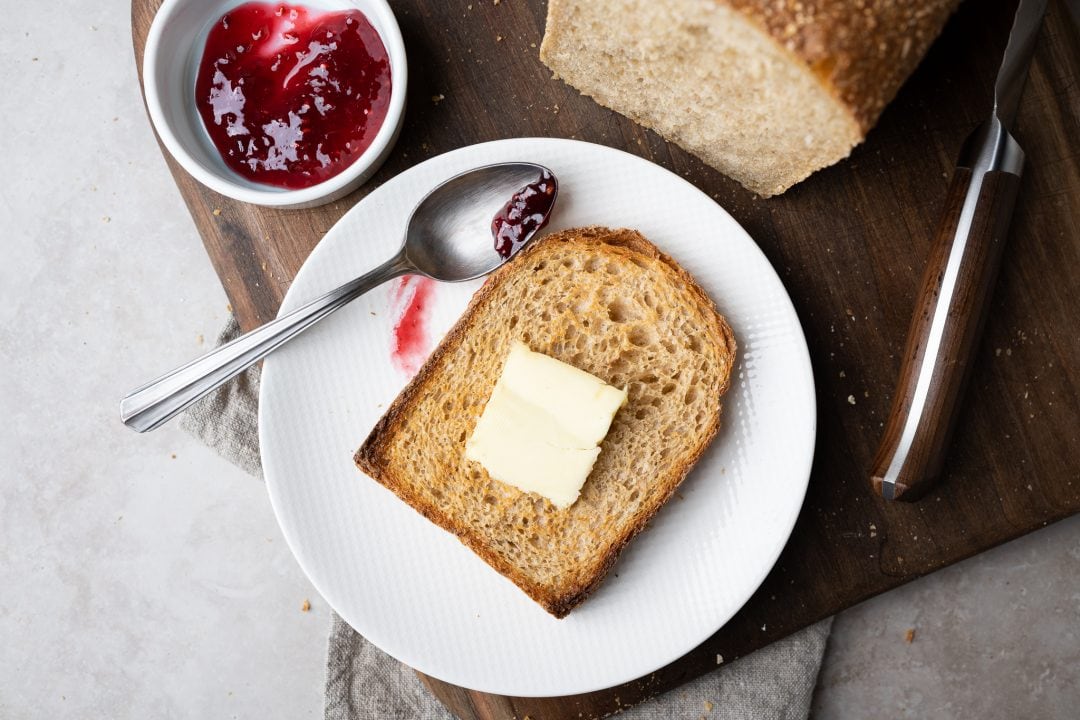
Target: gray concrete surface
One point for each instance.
(996, 636)
(144, 577)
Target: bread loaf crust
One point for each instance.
(380, 455)
(862, 50)
(765, 91)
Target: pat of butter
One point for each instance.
(542, 427)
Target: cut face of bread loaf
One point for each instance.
(765, 91)
(607, 302)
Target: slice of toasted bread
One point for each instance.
(608, 302)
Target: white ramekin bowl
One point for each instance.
(173, 51)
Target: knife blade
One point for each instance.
(963, 263)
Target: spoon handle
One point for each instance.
(159, 400)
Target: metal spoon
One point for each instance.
(448, 238)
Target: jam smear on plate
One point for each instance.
(525, 213)
(292, 96)
(411, 298)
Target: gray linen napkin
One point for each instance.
(362, 682)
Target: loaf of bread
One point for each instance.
(765, 91)
(608, 302)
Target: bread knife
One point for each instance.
(951, 308)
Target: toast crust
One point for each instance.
(373, 456)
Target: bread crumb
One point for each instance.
(199, 339)
(498, 38)
(106, 218)
(719, 659)
(306, 606)
(228, 307)
(438, 98)
(173, 456)
(909, 636)
(708, 706)
(851, 399)
(217, 211)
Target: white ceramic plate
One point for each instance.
(423, 597)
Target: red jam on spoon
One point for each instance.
(291, 96)
(525, 213)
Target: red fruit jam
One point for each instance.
(291, 96)
(411, 298)
(527, 212)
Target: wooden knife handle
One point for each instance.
(950, 312)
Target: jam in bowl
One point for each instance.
(292, 96)
(276, 104)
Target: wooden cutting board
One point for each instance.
(849, 243)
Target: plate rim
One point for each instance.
(803, 360)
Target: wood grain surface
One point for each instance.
(850, 244)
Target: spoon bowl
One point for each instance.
(442, 237)
(450, 237)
